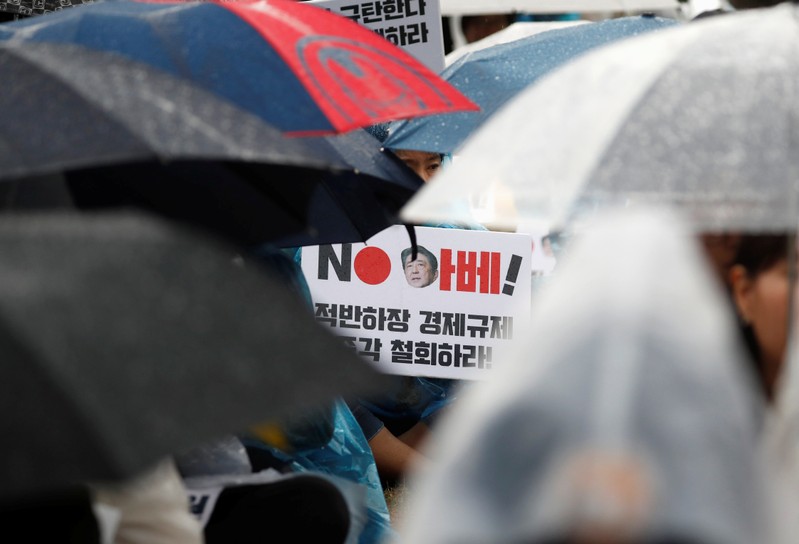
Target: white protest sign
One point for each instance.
(451, 313)
(413, 25)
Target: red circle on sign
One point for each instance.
(372, 265)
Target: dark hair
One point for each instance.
(424, 251)
(442, 156)
(757, 253)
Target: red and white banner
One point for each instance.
(450, 312)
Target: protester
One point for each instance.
(642, 427)
(761, 283)
(754, 270)
(407, 406)
(398, 422)
(762, 290)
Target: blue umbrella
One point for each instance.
(223, 52)
(303, 69)
(92, 130)
(491, 76)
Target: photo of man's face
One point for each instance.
(423, 270)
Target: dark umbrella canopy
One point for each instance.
(377, 188)
(491, 76)
(124, 134)
(301, 68)
(125, 339)
(74, 107)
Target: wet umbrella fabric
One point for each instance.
(701, 116)
(125, 339)
(376, 185)
(124, 134)
(515, 31)
(100, 109)
(492, 76)
(373, 192)
(303, 69)
(631, 411)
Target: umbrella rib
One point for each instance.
(34, 62)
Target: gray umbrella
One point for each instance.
(119, 133)
(631, 411)
(124, 339)
(702, 116)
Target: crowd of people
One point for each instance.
(609, 435)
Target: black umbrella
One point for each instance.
(390, 182)
(299, 67)
(124, 339)
(122, 134)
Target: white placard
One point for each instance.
(413, 25)
(449, 316)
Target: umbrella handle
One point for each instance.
(412, 235)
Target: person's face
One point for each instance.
(424, 163)
(763, 301)
(418, 272)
